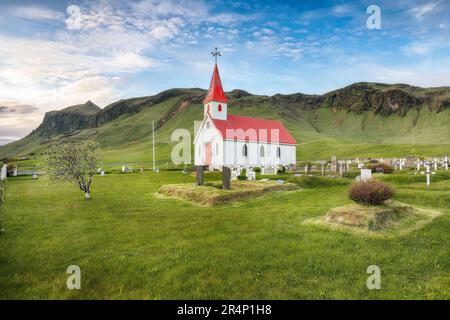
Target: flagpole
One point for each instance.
(153, 145)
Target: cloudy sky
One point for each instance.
(56, 53)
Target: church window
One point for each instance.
(245, 150)
(278, 152)
(219, 108)
(261, 151)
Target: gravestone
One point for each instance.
(15, 172)
(235, 172)
(445, 162)
(366, 174)
(3, 172)
(379, 170)
(102, 173)
(226, 178)
(200, 175)
(251, 175)
(268, 170)
(428, 172)
(334, 164)
(341, 168)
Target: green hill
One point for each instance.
(361, 120)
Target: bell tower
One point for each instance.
(215, 102)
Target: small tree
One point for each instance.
(73, 162)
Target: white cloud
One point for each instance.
(423, 9)
(417, 48)
(35, 13)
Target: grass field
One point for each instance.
(130, 243)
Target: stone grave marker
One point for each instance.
(366, 174)
(226, 178)
(3, 172)
(445, 163)
(251, 175)
(200, 175)
(334, 164)
(268, 170)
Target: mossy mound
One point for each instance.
(369, 217)
(211, 194)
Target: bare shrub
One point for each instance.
(372, 192)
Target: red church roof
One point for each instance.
(215, 92)
(253, 129)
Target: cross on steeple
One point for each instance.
(216, 53)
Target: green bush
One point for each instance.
(317, 182)
(242, 177)
(351, 174)
(372, 192)
(281, 170)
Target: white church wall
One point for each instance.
(205, 136)
(233, 154)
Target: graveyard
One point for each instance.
(132, 242)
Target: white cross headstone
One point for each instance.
(435, 162)
(419, 164)
(102, 173)
(446, 163)
(366, 174)
(3, 172)
(15, 172)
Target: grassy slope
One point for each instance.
(321, 133)
(131, 244)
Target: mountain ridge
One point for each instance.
(357, 108)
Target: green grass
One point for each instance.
(131, 244)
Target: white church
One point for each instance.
(236, 141)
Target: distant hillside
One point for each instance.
(363, 119)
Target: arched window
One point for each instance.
(261, 151)
(217, 149)
(245, 150)
(219, 108)
(278, 152)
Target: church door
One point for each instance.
(208, 154)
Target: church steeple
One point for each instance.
(215, 102)
(215, 92)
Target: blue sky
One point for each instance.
(59, 53)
